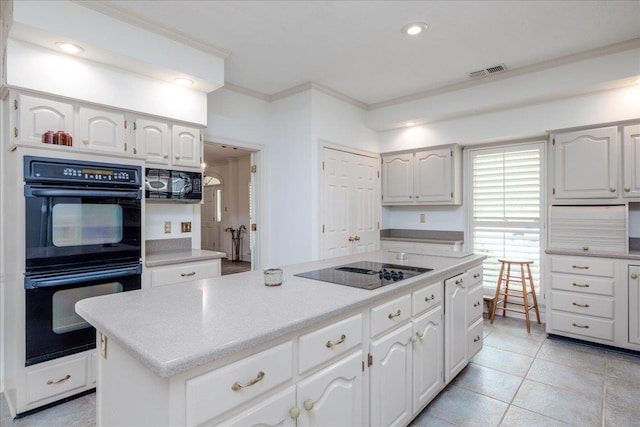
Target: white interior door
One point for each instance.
(210, 228)
(350, 203)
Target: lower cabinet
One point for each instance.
(634, 304)
(184, 272)
(428, 355)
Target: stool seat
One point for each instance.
(506, 277)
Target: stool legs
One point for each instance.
(525, 280)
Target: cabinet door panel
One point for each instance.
(456, 330)
(631, 159)
(186, 146)
(397, 182)
(102, 130)
(333, 396)
(152, 141)
(391, 391)
(586, 164)
(37, 116)
(271, 412)
(433, 178)
(428, 363)
(634, 304)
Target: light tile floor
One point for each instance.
(518, 379)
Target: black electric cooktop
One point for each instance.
(365, 274)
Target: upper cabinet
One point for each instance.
(34, 116)
(631, 159)
(103, 131)
(162, 144)
(430, 176)
(595, 164)
(100, 130)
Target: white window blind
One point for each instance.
(506, 206)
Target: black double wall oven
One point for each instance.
(83, 230)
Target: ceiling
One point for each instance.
(356, 47)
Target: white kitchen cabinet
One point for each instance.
(424, 177)
(152, 140)
(455, 291)
(184, 272)
(186, 146)
(333, 396)
(391, 373)
(274, 411)
(586, 164)
(100, 130)
(634, 304)
(631, 161)
(32, 116)
(428, 356)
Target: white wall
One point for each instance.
(157, 213)
(517, 123)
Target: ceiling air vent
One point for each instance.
(487, 71)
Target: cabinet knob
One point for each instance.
(294, 413)
(413, 339)
(308, 404)
(177, 157)
(166, 156)
(85, 141)
(585, 248)
(420, 334)
(627, 189)
(634, 276)
(613, 190)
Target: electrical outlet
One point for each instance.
(422, 218)
(167, 227)
(185, 227)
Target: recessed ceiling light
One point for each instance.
(69, 47)
(410, 123)
(414, 28)
(182, 81)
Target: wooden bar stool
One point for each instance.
(504, 294)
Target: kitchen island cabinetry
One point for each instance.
(232, 351)
(422, 177)
(184, 272)
(634, 304)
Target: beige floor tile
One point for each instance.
(521, 345)
(624, 368)
(518, 417)
(622, 393)
(572, 379)
(558, 404)
(462, 407)
(489, 382)
(502, 360)
(571, 355)
(617, 416)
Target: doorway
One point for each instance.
(228, 208)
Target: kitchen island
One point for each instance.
(230, 350)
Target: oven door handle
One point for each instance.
(70, 279)
(87, 193)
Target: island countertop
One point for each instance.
(172, 329)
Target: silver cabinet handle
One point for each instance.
(431, 298)
(580, 285)
(580, 267)
(61, 380)
(396, 314)
(191, 273)
(477, 338)
(580, 326)
(580, 305)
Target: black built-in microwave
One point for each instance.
(173, 185)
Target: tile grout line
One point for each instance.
(604, 389)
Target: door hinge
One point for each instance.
(382, 197)
(554, 191)
(125, 147)
(553, 141)
(254, 227)
(452, 194)
(15, 104)
(254, 168)
(363, 366)
(323, 228)
(369, 360)
(378, 174)
(378, 225)
(135, 126)
(125, 124)
(135, 150)
(15, 132)
(322, 165)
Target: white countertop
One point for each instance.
(169, 257)
(172, 329)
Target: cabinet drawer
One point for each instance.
(55, 379)
(186, 272)
(474, 338)
(583, 325)
(324, 344)
(582, 284)
(426, 298)
(390, 314)
(581, 303)
(475, 275)
(474, 303)
(583, 266)
(215, 392)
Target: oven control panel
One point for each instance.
(38, 169)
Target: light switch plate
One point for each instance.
(422, 218)
(185, 227)
(167, 227)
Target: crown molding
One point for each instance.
(141, 22)
(246, 91)
(580, 56)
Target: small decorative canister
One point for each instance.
(273, 277)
